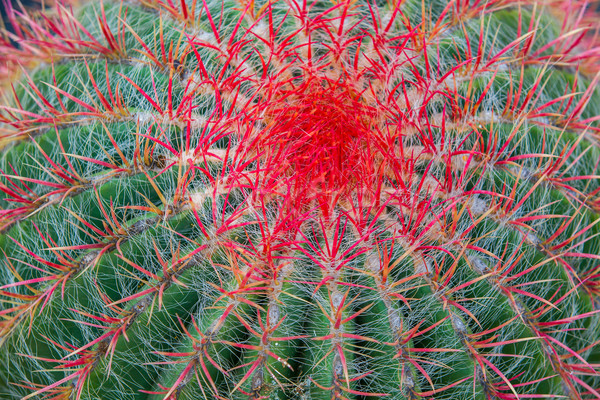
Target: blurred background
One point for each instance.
(16, 4)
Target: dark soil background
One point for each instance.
(16, 4)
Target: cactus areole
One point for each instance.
(287, 199)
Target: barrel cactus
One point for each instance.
(345, 199)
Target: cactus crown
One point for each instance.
(286, 199)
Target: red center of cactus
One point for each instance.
(320, 135)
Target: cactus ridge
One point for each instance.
(346, 199)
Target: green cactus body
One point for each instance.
(300, 200)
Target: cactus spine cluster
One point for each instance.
(291, 199)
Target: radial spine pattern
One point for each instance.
(218, 199)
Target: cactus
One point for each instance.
(231, 199)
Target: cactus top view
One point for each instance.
(292, 199)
